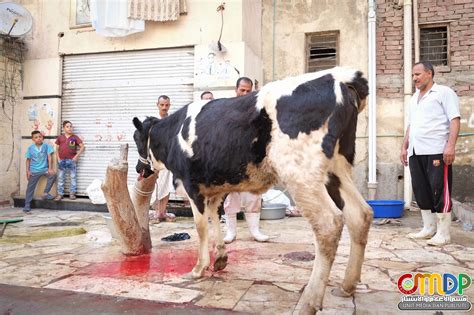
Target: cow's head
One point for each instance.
(141, 136)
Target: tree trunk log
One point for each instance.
(141, 198)
(129, 214)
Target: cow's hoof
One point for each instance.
(340, 292)
(220, 263)
(193, 275)
(308, 310)
(196, 273)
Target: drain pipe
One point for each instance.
(372, 184)
(407, 86)
(416, 31)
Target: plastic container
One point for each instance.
(273, 211)
(387, 208)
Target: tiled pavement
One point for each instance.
(261, 278)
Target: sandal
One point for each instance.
(58, 197)
(169, 217)
(292, 211)
(153, 217)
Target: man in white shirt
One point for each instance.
(429, 150)
(164, 183)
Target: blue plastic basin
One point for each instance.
(387, 208)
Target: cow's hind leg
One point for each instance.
(200, 219)
(221, 255)
(326, 221)
(358, 217)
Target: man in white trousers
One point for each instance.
(251, 202)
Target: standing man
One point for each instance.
(251, 202)
(429, 144)
(164, 183)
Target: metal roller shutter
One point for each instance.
(103, 92)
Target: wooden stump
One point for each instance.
(129, 212)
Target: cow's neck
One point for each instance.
(162, 130)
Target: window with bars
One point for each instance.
(322, 51)
(434, 45)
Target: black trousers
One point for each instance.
(431, 180)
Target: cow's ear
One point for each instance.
(138, 124)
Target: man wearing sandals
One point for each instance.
(164, 183)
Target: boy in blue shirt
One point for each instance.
(38, 164)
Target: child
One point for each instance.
(38, 163)
(67, 154)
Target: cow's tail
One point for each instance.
(359, 86)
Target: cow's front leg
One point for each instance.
(201, 226)
(221, 255)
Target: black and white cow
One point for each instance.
(299, 132)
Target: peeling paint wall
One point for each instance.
(11, 56)
(56, 33)
(284, 28)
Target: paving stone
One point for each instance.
(464, 255)
(267, 299)
(126, 288)
(389, 264)
(224, 294)
(372, 253)
(424, 256)
(470, 265)
(39, 252)
(446, 268)
(402, 242)
(382, 302)
(34, 275)
(376, 279)
(292, 287)
(332, 304)
(260, 278)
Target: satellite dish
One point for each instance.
(15, 20)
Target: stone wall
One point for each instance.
(11, 58)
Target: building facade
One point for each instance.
(71, 72)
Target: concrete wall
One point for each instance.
(284, 30)
(54, 35)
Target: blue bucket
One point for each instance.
(387, 208)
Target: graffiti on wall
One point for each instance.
(110, 134)
(42, 118)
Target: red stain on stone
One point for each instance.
(164, 262)
(176, 262)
